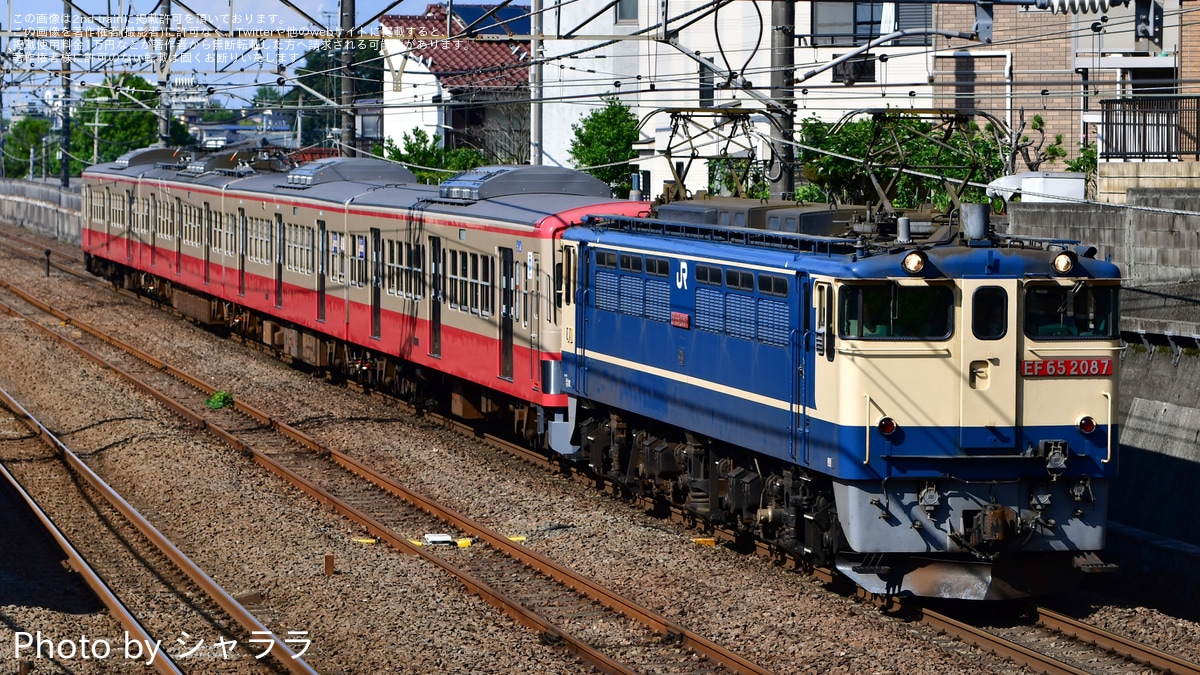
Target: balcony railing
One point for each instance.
(1151, 127)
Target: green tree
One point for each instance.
(115, 117)
(28, 134)
(321, 72)
(958, 153)
(603, 145)
(424, 155)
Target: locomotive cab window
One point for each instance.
(890, 311)
(1082, 311)
(989, 313)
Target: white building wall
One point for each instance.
(408, 94)
(585, 71)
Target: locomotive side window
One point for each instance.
(658, 267)
(772, 285)
(631, 263)
(708, 275)
(989, 313)
(606, 260)
(1079, 312)
(739, 280)
(890, 311)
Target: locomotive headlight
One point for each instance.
(887, 426)
(1087, 424)
(914, 262)
(1063, 262)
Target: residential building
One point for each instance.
(470, 92)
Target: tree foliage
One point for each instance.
(424, 155)
(971, 152)
(321, 72)
(27, 134)
(604, 140)
(116, 117)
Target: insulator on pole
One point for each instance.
(1077, 6)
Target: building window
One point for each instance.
(627, 11)
(708, 88)
(860, 69)
(845, 23)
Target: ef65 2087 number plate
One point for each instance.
(1067, 368)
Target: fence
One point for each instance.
(1151, 127)
(47, 209)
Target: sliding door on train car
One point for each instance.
(280, 251)
(376, 280)
(437, 268)
(989, 363)
(208, 237)
(322, 269)
(508, 280)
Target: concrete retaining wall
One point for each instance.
(45, 209)
(1159, 470)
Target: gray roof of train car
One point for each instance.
(525, 209)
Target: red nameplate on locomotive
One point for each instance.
(1067, 368)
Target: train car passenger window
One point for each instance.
(631, 263)
(989, 313)
(558, 284)
(462, 283)
(893, 312)
(485, 280)
(772, 285)
(708, 275)
(474, 283)
(1079, 312)
(453, 273)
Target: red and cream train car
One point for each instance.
(351, 265)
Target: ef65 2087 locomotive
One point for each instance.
(933, 417)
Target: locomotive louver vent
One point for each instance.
(501, 181)
(361, 169)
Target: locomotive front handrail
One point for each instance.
(870, 404)
(1108, 427)
(1099, 348)
(909, 351)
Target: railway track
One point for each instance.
(1050, 642)
(1053, 643)
(151, 588)
(563, 607)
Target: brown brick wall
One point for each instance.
(1041, 47)
(1189, 49)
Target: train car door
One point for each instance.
(177, 232)
(242, 242)
(799, 302)
(436, 271)
(280, 251)
(322, 269)
(208, 227)
(161, 209)
(376, 279)
(989, 363)
(507, 304)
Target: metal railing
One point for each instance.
(1151, 127)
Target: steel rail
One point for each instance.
(1115, 643)
(535, 561)
(162, 662)
(998, 645)
(240, 614)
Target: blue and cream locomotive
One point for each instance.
(934, 418)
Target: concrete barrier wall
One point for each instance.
(1159, 470)
(46, 209)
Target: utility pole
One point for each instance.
(67, 55)
(95, 124)
(349, 144)
(163, 67)
(535, 86)
(783, 61)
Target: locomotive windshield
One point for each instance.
(891, 311)
(1076, 312)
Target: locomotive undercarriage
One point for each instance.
(719, 484)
